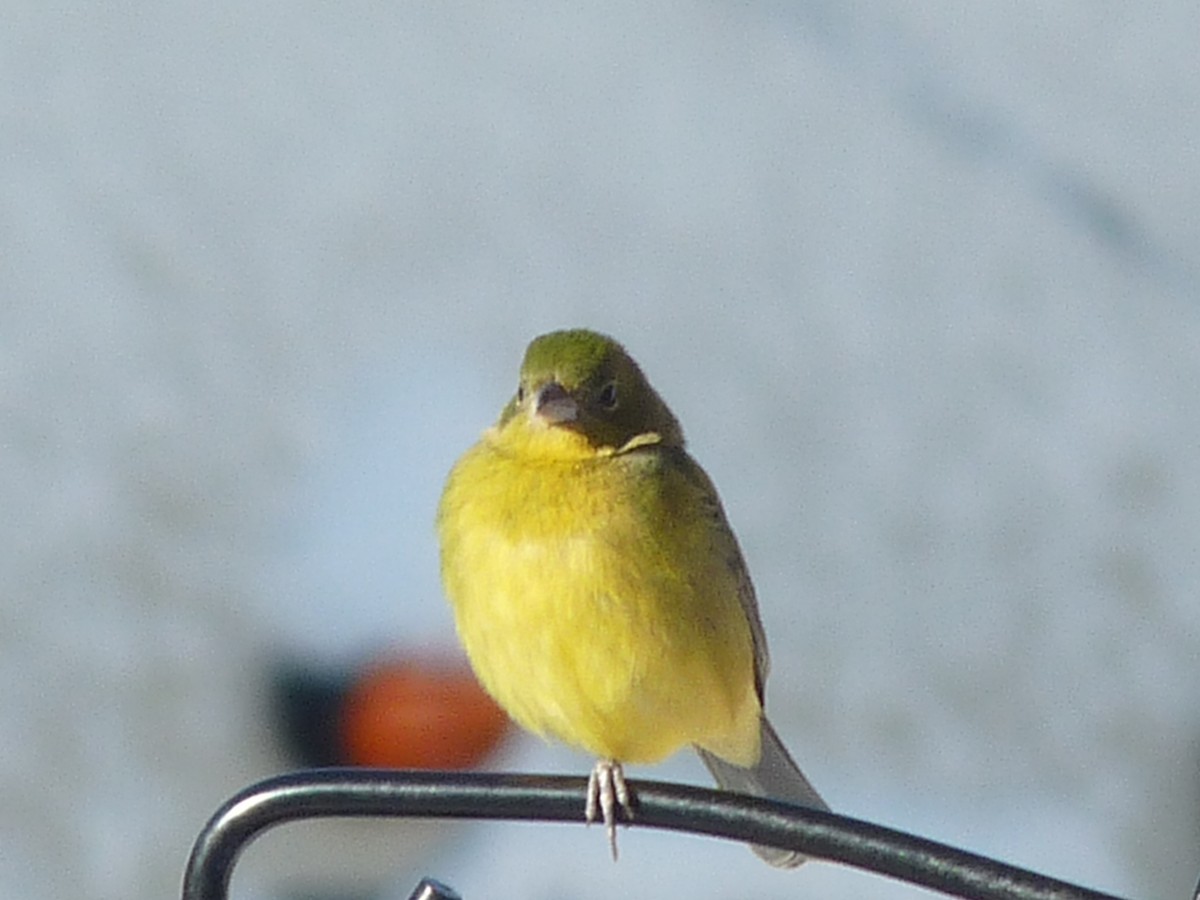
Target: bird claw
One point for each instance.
(606, 791)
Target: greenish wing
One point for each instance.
(725, 544)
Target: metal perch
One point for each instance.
(323, 793)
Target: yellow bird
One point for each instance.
(598, 588)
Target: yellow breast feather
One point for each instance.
(593, 610)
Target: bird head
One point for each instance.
(579, 395)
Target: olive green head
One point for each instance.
(586, 383)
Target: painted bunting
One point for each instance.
(597, 587)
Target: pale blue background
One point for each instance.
(918, 278)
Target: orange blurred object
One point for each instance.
(419, 715)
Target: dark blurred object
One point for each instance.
(422, 712)
(306, 700)
(429, 889)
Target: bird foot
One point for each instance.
(606, 791)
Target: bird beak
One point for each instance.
(554, 405)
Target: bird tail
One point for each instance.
(775, 776)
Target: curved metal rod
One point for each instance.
(322, 793)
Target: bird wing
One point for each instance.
(726, 546)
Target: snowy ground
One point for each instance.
(919, 279)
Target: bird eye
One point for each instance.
(608, 396)
(520, 393)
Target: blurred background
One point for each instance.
(920, 280)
